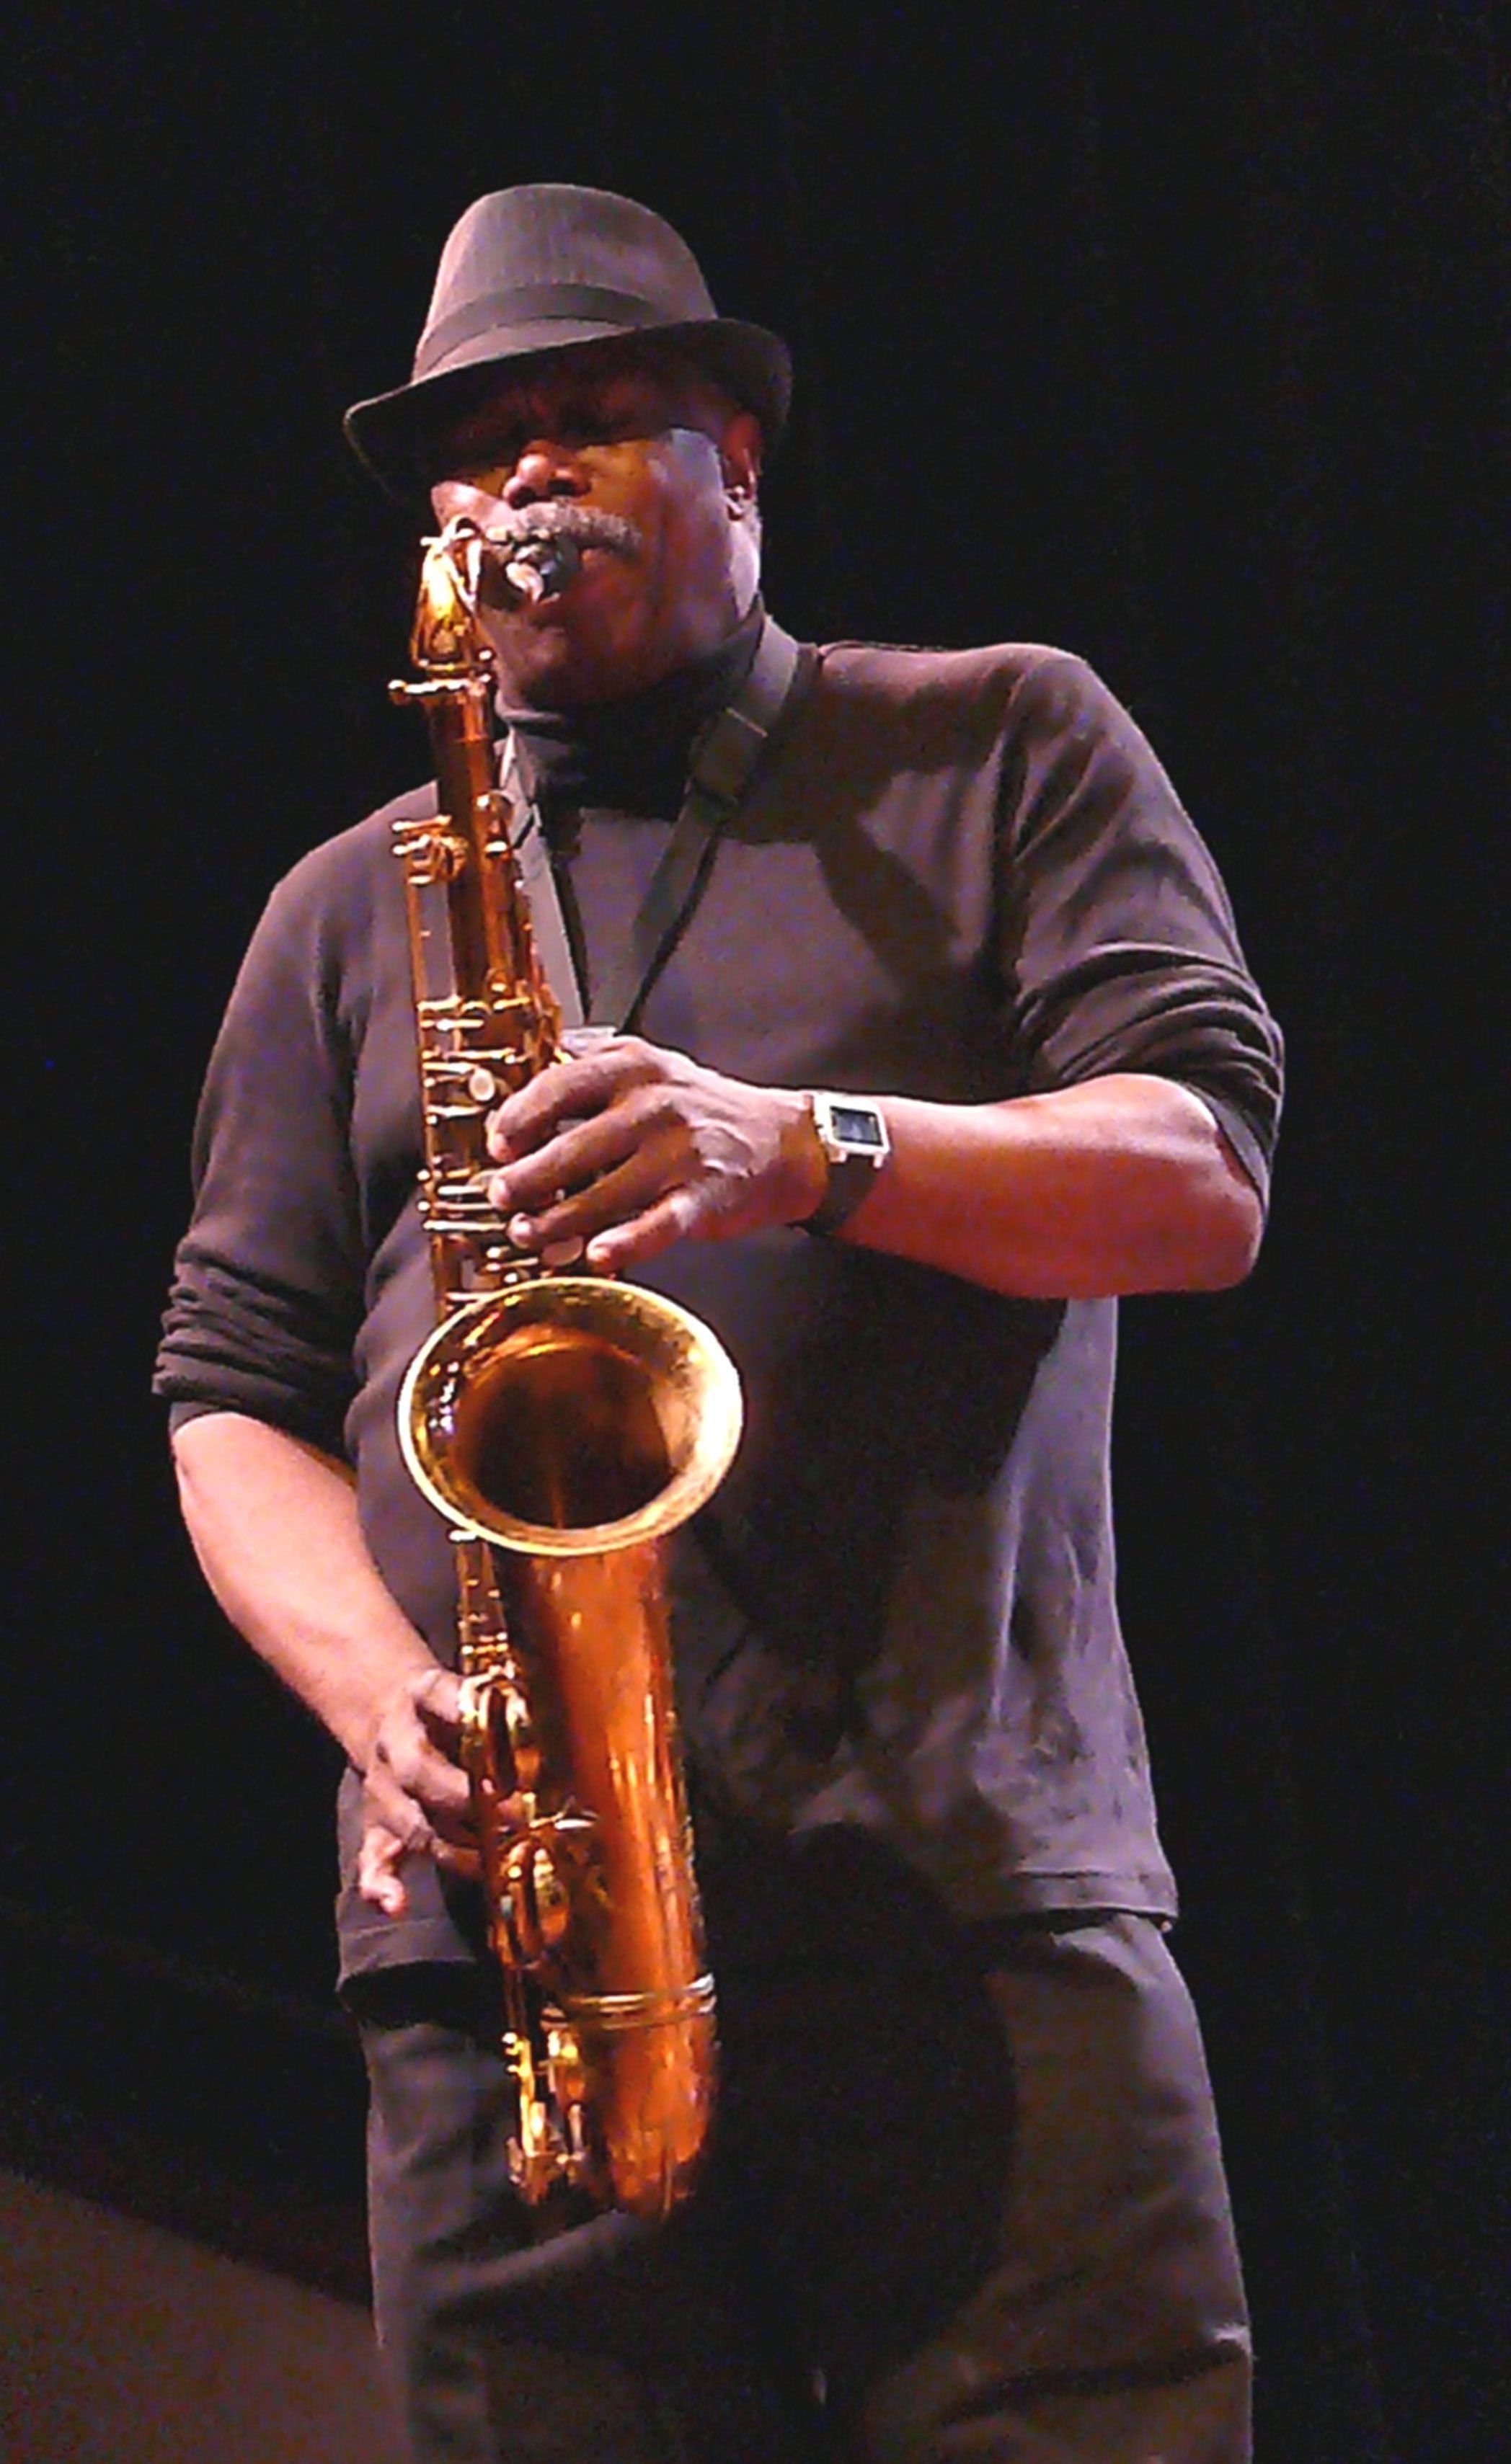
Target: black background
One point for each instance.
(1177, 334)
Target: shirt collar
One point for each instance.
(630, 755)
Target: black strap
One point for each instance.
(544, 899)
(721, 767)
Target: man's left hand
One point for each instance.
(624, 1148)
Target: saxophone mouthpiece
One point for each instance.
(448, 639)
(537, 569)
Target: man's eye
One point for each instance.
(489, 461)
(500, 454)
(598, 428)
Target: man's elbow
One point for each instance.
(1227, 1231)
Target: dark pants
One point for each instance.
(970, 2208)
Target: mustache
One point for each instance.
(582, 524)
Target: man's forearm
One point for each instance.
(1124, 1184)
(273, 1524)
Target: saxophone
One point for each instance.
(565, 1425)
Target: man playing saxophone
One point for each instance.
(912, 1030)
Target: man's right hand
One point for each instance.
(416, 1801)
(275, 1524)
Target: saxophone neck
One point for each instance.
(447, 641)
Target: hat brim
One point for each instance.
(395, 434)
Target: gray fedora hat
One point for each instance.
(528, 271)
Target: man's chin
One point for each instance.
(545, 663)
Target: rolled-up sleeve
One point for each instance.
(1119, 946)
(267, 1289)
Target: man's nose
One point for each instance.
(543, 469)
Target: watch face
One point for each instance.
(856, 1125)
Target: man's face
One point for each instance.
(652, 472)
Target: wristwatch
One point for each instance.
(853, 1134)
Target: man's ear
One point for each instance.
(739, 460)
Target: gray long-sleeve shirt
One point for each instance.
(961, 877)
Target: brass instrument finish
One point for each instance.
(565, 1425)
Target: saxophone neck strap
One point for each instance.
(725, 756)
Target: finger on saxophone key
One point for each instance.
(525, 1233)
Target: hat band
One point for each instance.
(538, 302)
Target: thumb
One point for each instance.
(377, 1869)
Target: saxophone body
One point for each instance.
(566, 1426)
